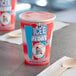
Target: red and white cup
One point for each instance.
(37, 30)
(7, 15)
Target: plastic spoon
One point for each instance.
(14, 35)
(66, 64)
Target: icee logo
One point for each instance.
(4, 2)
(39, 33)
(39, 50)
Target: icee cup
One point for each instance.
(37, 30)
(7, 15)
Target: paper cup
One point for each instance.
(7, 15)
(37, 30)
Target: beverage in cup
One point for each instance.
(7, 15)
(37, 30)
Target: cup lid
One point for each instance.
(37, 16)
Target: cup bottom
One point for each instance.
(33, 64)
(7, 29)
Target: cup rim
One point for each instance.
(50, 19)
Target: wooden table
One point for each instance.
(12, 58)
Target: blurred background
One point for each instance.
(65, 10)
